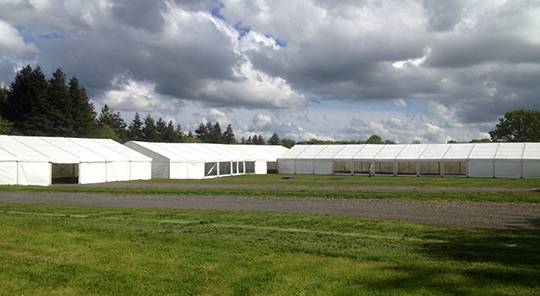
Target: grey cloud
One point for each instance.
(442, 15)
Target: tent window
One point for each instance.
(65, 173)
(271, 167)
(224, 168)
(430, 168)
(455, 168)
(241, 167)
(384, 168)
(361, 167)
(341, 167)
(210, 168)
(235, 167)
(406, 168)
(250, 167)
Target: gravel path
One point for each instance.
(484, 215)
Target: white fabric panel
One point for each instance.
(92, 172)
(8, 172)
(390, 151)
(304, 166)
(195, 170)
(21, 151)
(435, 151)
(83, 153)
(349, 151)
(140, 170)
(458, 151)
(131, 154)
(484, 151)
(330, 151)
(260, 167)
(368, 152)
(294, 152)
(480, 168)
(117, 171)
(178, 170)
(412, 152)
(34, 173)
(531, 169)
(53, 152)
(160, 169)
(510, 151)
(286, 166)
(508, 168)
(311, 152)
(323, 167)
(531, 151)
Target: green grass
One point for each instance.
(303, 186)
(66, 251)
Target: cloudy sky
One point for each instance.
(408, 70)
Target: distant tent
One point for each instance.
(199, 161)
(47, 160)
(499, 160)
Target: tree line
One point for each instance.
(36, 106)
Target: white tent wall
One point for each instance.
(286, 166)
(195, 170)
(8, 172)
(159, 167)
(485, 160)
(260, 167)
(34, 173)
(92, 172)
(178, 170)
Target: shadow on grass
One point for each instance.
(466, 264)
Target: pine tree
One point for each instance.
(243, 140)
(249, 141)
(3, 100)
(170, 135)
(135, 129)
(26, 104)
(274, 140)
(161, 130)
(149, 130)
(113, 120)
(179, 134)
(82, 110)
(202, 132)
(215, 135)
(228, 135)
(59, 103)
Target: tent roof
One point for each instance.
(458, 151)
(199, 152)
(65, 150)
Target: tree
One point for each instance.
(135, 129)
(82, 110)
(3, 99)
(161, 129)
(374, 139)
(483, 140)
(59, 105)
(518, 126)
(179, 133)
(5, 126)
(169, 135)
(287, 142)
(150, 133)
(215, 135)
(274, 140)
(109, 118)
(228, 135)
(202, 132)
(26, 104)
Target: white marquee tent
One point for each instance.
(199, 161)
(499, 160)
(44, 160)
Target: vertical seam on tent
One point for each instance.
(46, 156)
(17, 160)
(418, 162)
(468, 157)
(522, 154)
(315, 157)
(495, 158)
(98, 154)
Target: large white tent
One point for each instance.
(499, 160)
(199, 161)
(44, 160)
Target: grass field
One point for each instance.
(301, 186)
(72, 251)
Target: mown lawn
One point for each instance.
(73, 251)
(309, 186)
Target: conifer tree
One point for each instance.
(135, 129)
(149, 130)
(26, 104)
(82, 110)
(113, 120)
(161, 130)
(59, 106)
(274, 140)
(228, 135)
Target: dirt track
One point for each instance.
(483, 215)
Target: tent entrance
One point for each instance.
(430, 168)
(271, 167)
(455, 168)
(65, 173)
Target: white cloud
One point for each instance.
(11, 42)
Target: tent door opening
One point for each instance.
(272, 167)
(65, 173)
